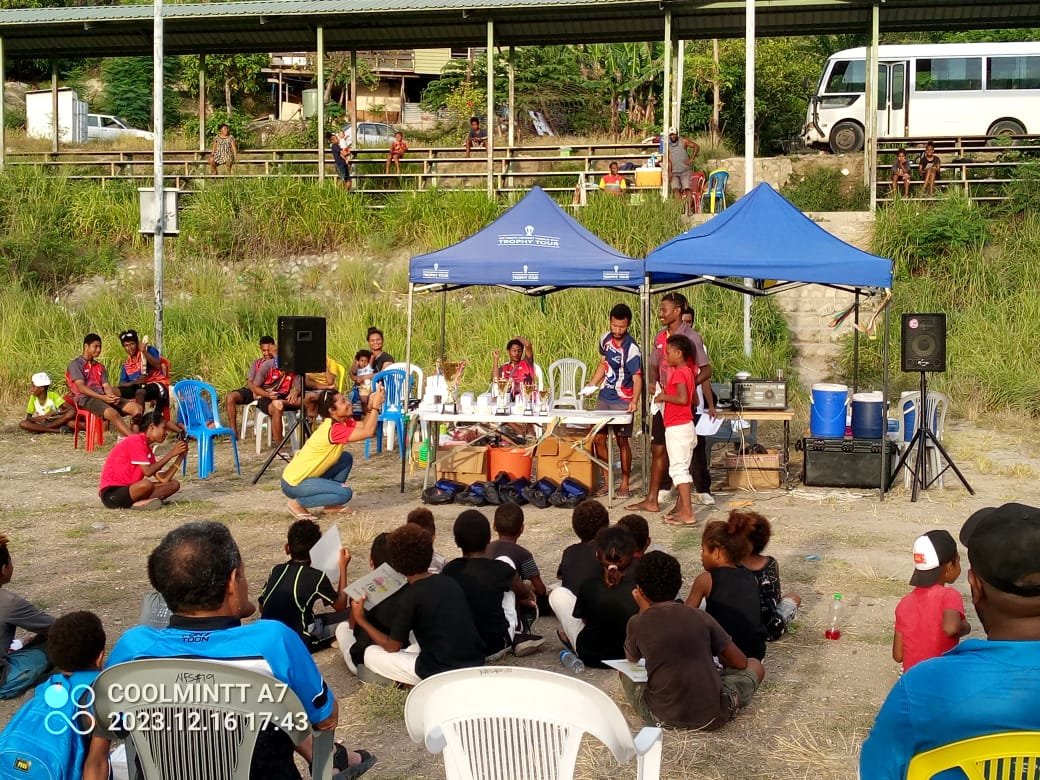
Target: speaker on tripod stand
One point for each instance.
(924, 351)
(301, 350)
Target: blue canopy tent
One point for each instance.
(535, 248)
(764, 237)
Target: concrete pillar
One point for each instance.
(54, 106)
(870, 111)
(491, 107)
(666, 119)
(202, 102)
(321, 104)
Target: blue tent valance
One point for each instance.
(535, 244)
(763, 236)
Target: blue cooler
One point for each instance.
(868, 415)
(827, 415)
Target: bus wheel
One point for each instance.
(1002, 129)
(846, 137)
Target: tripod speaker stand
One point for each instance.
(917, 449)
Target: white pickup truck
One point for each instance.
(105, 127)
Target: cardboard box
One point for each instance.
(648, 177)
(462, 463)
(753, 472)
(558, 459)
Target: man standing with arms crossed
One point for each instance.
(671, 310)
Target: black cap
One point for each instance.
(932, 551)
(1004, 547)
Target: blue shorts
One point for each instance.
(24, 668)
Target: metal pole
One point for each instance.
(157, 169)
(680, 55)
(648, 391)
(667, 107)
(54, 107)
(870, 111)
(321, 104)
(408, 374)
(3, 129)
(202, 102)
(512, 100)
(884, 405)
(353, 99)
(491, 108)
(855, 346)
(749, 137)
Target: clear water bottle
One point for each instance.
(834, 618)
(571, 661)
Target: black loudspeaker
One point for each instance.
(301, 344)
(924, 342)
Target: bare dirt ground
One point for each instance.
(807, 720)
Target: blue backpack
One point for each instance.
(47, 737)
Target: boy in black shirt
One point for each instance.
(294, 588)
(509, 524)
(493, 588)
(432, 606)
(578, 564)
(354, 640)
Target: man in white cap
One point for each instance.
(682, 152)
(47, 411)
(980, 687)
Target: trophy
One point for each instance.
(452, 373)
(503, 399)
(528, 391)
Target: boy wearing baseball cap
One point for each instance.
(47, 411)
(930, 619)
(981, 686)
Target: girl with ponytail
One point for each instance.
(605, 603)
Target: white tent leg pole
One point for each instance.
(405, 444)
(749, 137)
(644, 403)
(158, 248)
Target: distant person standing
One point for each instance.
(476, 137)
(681, 154)
(224, 150)
(340, 151)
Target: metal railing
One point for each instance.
(513, 169)
(979, 166)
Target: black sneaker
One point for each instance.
(525, 644)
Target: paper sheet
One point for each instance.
(708, 426)
(377, 585)
(325, 554)
(636, 671)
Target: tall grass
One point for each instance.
(984, 275)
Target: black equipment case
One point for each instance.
(847, 463)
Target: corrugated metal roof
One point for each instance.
(278, 25)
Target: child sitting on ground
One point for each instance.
(509, 524)
(433, 606)
(578, 562)
(47, 411)
(605, 603)
(930, 618)
(730, 591)
(777, 610)
(295, 587)
(76, 646)
(354, 640)
(640, 530)
(22, 667)
(423, 517)
(493, 589)
(683, 688)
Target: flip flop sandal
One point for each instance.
(670, 520)
(622, 494)
(367, 760)
(564, 640)
(300, 515)
(346, 511)
(600, 492)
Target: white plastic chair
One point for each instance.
(508, 722)
(222, 734)
(935, 416)
(262, 427)
(566, 378)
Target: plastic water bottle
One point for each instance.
(571, 661)
(834, 619)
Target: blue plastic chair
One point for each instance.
(195, 412)
(715, 192)
(395, 407)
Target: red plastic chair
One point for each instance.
(92, 425)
